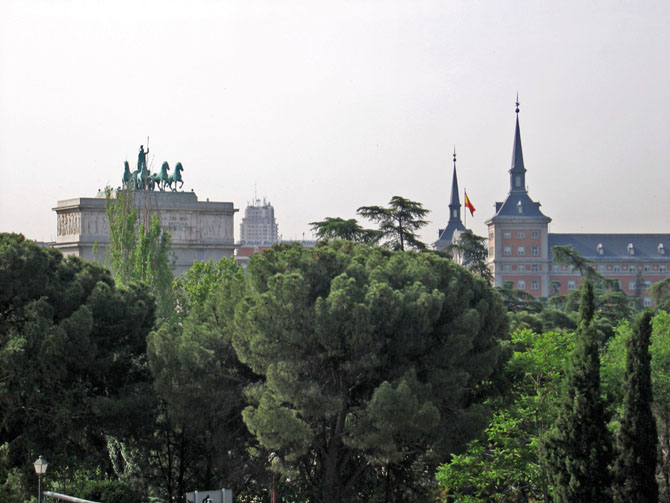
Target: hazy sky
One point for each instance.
(326, 106)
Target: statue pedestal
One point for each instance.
(200, 230)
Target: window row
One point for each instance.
(522, 267)
(521, 235)
(521, 251)
(521, 284)
(616, 268)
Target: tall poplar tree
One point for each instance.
(576, 452)
(635, 470)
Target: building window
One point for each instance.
(517, 181)
(521, 268)
(617, 268)
(646, 268)
(534, 234)
(507, 250)
(601, 268)
(661, 249)
(521, 251)
(600, 249)
(631, 249)
(647, 302)
(521, 284)
(507, 235)
(507, 268)
(535, 268)
(632, 284)
(508, 285)
(571, 284)
(521, 235)
(534, 250)
(661, 268)
(534, 284)
(556, 267)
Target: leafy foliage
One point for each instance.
(578, 449)
(203, 441)
(139, 251)
(353, 344)
(398, 222)
(338, 228)
(473, 254)
(72, 357)
(503, 465)
(635, 469)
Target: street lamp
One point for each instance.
(40, 469)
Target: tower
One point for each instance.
(446, 235)
(518, 233)
(259, 226)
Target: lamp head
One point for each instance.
(40, 466)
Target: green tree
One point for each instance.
(338, 228)
(139, 251)
(201, 438)
(503, 464)
(614, 369)
(578, 449)
(374, 366)
(635, 469)
(568, 256)
(72, 358)
(473, 255)
(660, 294)
(398, 223)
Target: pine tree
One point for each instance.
(635, 470)
(577, 450)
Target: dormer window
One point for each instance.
(631, 249)
(519, 207)
(661, 249)
(599, 249)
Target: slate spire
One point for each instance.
(454, 224)
(455, 204)
(518, 170)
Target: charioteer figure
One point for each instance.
(142, 158)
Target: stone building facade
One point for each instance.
(200, 230)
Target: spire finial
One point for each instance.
(517, 102)
(454, 156)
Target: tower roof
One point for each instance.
(454, 224)
(518, 206)
(517, 152)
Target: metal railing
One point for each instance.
(65, 497)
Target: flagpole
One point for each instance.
(465, 213)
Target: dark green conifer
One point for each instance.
(635, 471)
(576, 452)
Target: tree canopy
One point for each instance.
(374, 365)
(338, 228)
(72, 357)
(398, 223)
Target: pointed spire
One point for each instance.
(455, 199)
(518, 169)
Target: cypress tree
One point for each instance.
(576, 452)
(635, 470)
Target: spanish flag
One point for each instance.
(469, 204)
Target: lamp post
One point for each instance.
(40, 465)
